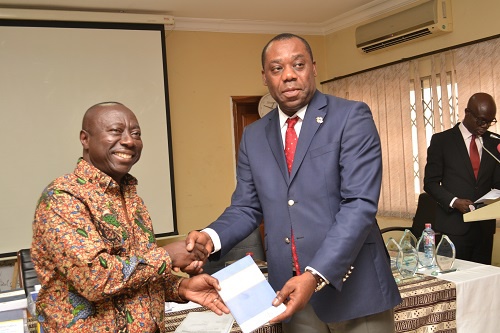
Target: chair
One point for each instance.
(425, 213)
(27, 274)
(253, 243)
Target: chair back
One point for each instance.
(28, 278)
(425, 213)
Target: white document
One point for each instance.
(490, 197)
(205, 322)
(13, 303)
(175, 307)
(12, 326)
(248, 294)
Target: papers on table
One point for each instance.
(247, 294)
(490, 197)
(206, 322)
(13, 311)
(13, 300)
(12, 326)
(174, 307)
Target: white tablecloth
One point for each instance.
(478, 296)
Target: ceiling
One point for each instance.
(311, 16)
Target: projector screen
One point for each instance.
(50, 74)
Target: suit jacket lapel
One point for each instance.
(487, 141)
(273, 133)
(310, 124)
(312, 121)
(462, 150)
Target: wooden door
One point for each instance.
(245, 112)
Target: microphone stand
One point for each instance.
(489, 152)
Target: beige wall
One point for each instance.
(472, 20)
(204, 71)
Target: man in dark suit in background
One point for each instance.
(455, 183)
(323, 200)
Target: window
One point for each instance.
(432, 106)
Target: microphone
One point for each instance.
(495, 136)
(489, 152)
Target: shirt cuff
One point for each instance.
(312, 270)
(452, 201)
(215, 239)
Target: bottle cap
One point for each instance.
(427, 225)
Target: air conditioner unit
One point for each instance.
(426, 19)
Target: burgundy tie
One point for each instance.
(290, 142)
(474, 155)
(290, 145)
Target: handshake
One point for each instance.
(189, 255)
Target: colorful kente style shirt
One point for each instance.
(95, 253)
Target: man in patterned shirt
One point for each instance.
(93, 242)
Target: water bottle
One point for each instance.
(428, 240)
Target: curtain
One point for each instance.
(387, 92)
(478, 69)
(411, 101)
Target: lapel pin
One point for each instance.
(319, 120)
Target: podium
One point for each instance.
(488, 212)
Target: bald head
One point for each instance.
(93, 112)
(482, 100)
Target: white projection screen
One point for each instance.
(50, 74)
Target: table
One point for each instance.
(174, 319)
(465, 301)
(429, 305)
(478, 296)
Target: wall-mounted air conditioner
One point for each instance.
(426, 19)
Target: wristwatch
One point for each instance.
(320, 282)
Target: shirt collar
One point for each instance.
(465, 132)
(90, 173)
(283, 117)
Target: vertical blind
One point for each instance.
(414, 99)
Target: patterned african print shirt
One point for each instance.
(96, 256)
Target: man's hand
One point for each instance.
(202, 289)
(295, 294)
(462, 205)
(187, 261)
(195, 238)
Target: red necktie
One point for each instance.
(290, 145)
(474, 155)
(290, 142)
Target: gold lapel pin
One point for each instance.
(319, 120)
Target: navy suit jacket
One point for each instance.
(330, 199)
(449, 174)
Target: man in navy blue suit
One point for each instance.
(450, 179)
(325, 205)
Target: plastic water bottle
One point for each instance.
(427, 260)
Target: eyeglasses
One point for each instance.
(480, 121)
